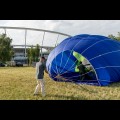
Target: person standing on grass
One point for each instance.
(40, 68)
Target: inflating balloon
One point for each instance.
(100, 56)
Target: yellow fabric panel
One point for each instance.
(79, 57)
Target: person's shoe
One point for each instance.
(35, 94)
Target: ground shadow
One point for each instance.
(116, 84)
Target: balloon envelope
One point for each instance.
(102, 53)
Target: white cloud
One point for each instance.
(72, 27)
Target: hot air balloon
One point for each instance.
(99, 54)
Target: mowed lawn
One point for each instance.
(18, 83)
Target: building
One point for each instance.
(19, 55)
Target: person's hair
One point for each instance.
(42, 57)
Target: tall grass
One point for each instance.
(18, 83)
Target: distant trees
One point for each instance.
(115, 37)
(33, 54)
(6, 51)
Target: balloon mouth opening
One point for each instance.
(65, 68)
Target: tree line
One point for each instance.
(33, 53)
(115, 37)
(6, 50)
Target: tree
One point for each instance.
(33, 54)
(37, 52)
(30, 55)
(112, 37)
(118, 37)
(115, 37)
(6, 51)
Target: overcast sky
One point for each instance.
(71, 27)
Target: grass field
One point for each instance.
(18, 83)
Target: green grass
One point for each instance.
(18, 83)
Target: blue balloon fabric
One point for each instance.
(102, 53)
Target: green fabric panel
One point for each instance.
(79, 57)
